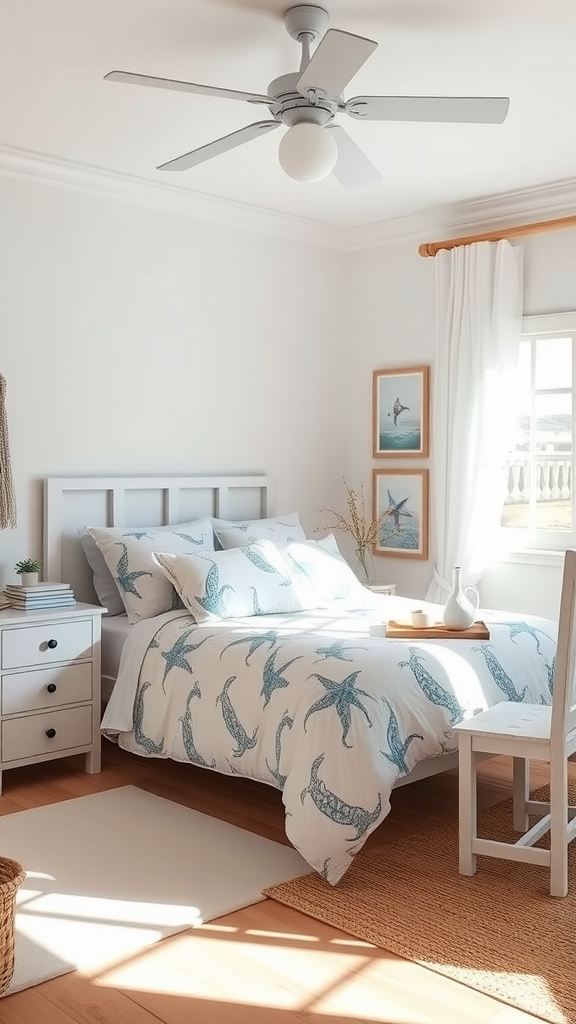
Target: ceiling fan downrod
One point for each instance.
(306, 23)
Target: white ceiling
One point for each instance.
(54, 54)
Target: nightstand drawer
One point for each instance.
(46, 688)
(44, 645)
(28, 737)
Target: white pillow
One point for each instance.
(321, 572)
(102, 579)
(129, 555)
(277, 528)
(248, 580)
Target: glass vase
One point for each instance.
(365, 561)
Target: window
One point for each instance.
(538, 509)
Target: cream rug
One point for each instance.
(114, 872)
(500, 931)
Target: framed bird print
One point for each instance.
(400, 506)
(401, 412)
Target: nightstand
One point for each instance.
(381, 588)
(50, 685)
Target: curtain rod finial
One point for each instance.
(427, 249)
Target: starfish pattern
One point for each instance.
(176, 656)
(126, 580)
(337, 650)
(342, 696)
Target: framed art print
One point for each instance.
(400, 501)
(401, 412)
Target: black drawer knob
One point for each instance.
(51, 687)
(52, 644)
(50, 733)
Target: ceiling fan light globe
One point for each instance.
(307, 152)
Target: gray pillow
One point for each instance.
(103, 580)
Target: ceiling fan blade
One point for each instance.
(335, 61)
(223, 145)
(473, 109)
(168, 83)
(353, 168)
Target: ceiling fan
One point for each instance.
(308, 101)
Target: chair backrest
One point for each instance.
(564, 692)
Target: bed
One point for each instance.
(313, 700)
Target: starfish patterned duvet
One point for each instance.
(318, 704)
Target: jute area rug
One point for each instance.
(111, 873)
(499, 932)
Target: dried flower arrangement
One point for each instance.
(363, 531)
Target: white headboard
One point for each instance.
(74, 502)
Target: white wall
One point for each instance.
(392, 294)
(141, 341)
(391, 324)
(138, 341)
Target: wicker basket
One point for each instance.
(12, 874)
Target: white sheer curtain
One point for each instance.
(478, 328)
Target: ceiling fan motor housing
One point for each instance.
(291, 107)
(306, 19)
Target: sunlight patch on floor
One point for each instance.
(88, 931)
(352, 942)
(281, 976)
(537, 984)
(263, 933)
(329, 982)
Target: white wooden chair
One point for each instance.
(528, 732)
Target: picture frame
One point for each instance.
(400, 497)
(401, 412)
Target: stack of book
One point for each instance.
(42, 595)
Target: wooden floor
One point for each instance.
(266, 964)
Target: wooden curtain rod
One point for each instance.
(431, 248)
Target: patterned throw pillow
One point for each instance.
(129, 555)
(321, 572)
(277, 529)
(249, 580)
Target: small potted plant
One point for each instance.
(29, 570)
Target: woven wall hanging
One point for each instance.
(7, 495)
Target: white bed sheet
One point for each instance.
(115, 630)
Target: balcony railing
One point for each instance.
(552, 500)
(552, 478)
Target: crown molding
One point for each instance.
(490, 213)
(522, 206)
(127, 188)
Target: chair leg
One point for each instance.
(520, 793)
(558, 828)
(466, 805)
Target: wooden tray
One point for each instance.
(406, 631)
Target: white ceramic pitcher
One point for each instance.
(460, 610)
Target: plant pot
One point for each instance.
(29, 579)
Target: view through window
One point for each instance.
(538, 492)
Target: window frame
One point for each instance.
(534, 545)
